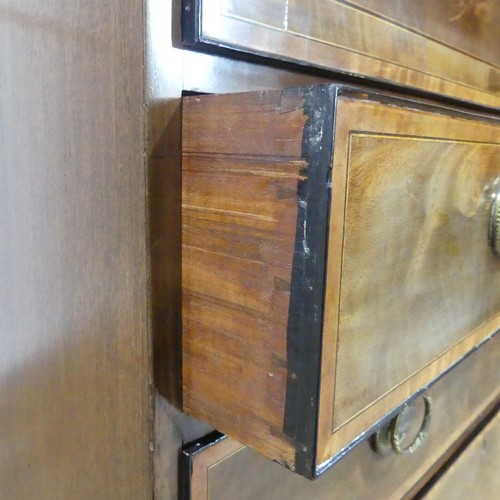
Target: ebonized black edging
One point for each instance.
(186, 455)
(305, 316)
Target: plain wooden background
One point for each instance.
(75, 412)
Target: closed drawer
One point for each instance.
(475, 472)
(449, 47)
(464, 396)
(335, 261)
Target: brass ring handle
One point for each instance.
(494, 225)
(397, 436)
(390, 437)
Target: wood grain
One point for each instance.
(386, 46)
(74, 349)
(239, 222)
(200, 466)
(408, 228)
(170, 70)
(473, 164)
(475, 473)
(460, 398)
(339, 25)
(469, 25)
(418, 274)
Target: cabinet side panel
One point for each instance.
(75, 394)
(241, 168)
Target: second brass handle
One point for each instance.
(390, 438)
(397, 436)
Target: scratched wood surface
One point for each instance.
(449, 48)
(169, 71)
(231, 470)
(240, 172)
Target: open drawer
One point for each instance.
(339, 255)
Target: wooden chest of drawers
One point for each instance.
(336, 261)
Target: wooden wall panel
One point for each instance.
(74, 348)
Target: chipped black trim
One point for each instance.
(185, 476)
(187, 453)
(305, 317)
(305, 321)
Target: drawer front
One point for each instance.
(336, 261)
(412, 282)
(230, 470)
(474, 474)
(417, 273)
(448, 47)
